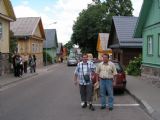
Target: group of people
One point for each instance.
(105, 74)
(21, 64)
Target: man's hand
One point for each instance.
(75, 82)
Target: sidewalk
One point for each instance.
(8, 79)
(147, 94)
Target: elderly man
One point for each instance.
(82, 75)
(106, 71)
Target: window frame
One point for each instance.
(159, 44)
(150, 45)
(1, 30)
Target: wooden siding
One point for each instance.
(3, 10)
(4, 41)
(125, 55)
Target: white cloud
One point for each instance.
(137, 6)
(64, 12)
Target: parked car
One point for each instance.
(119, 83)
(72, 61)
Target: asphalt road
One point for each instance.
(53, 96)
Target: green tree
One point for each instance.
(68, 45)
(12, 46)
(97, 19)
(120, 7)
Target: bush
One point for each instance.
(134, 67)
(47, 58)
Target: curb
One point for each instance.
(144, 105)
(18, 80)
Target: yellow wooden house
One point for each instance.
(29, 33)
(6, 16)
(102, 44)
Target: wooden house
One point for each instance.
(29, 33)
(124, 46)
(50, 45)
(148, 28)
(6, 16)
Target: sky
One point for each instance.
(58, 14)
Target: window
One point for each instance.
(150, 45)
(0, 30)
(33, 47)
(158, 44)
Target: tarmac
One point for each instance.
(144, 92)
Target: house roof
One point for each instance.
(51, 39)
(103, 40)
(142, 18)
(11, 16)
(124, 26)
(26, 26)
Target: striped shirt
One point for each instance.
(84, 69)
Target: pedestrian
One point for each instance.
(106, 71)
(31, 63)
(82, 76)
(21, 65)
(14, 64)
(17, 66)
(25, 63)
(34, 64)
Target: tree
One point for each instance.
(68, 45)
(12, 46)
(119, 7)
(97, 19)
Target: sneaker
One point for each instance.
(103, 107)
(84, 105)
(111, 108)
(91, 107)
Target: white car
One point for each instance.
(72, 61)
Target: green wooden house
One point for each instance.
(148, 28)
(50, 46)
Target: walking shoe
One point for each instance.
(110, 108)
(91, 107)
(84, 105)
(103, 107)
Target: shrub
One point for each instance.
(47, 59)
(134, 67)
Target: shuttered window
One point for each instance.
(150, 45)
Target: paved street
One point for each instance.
(52, 95)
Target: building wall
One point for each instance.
(4, 40)
(31, 46)
(153, 59)
(4, 64)
(153, 15)
(37, 32)
(2, 8)
(52, 53)
(151, 65)
(125, 55)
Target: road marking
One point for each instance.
(120, 105)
